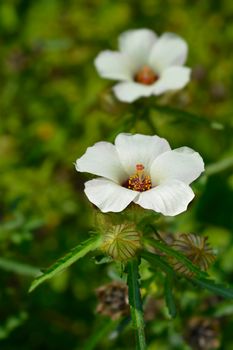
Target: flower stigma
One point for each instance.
(146, 76)
(139, 181)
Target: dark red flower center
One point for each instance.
(138, 181)
(146, 76)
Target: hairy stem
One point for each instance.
(136, 304)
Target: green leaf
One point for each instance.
(168, 286)
(17, 267)
(156, 260)
(11, 324)
(179, 256)
(76, 253)
(214, 287)
(205, 283)
(219, 166)
(223, 309)
(101, 259)
(136, 303)
(181, 114)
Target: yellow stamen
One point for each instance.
(139, 181)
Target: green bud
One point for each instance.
(121, 242)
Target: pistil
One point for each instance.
(146, 76)
(139, 181)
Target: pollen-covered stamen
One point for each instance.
(146, 76)
(139, 181)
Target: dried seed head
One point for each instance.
(152, 308)
(113, 300)
(121, 242)
(196, 249)
(203, 333)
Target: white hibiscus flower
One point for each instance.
(145, 64)
(140, 169)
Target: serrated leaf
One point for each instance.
(134, 291)
(179, 256)
(99, 260)
(76, 253)
(168, 286)
(214, 287)
(156, 260)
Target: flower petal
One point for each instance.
(131, 91)
(183, 164)
(169, 50)
(113, 65)
(172, 78)
(170, 198)
(108, 196)
(137, 44)
(102, 159)
(139, 149)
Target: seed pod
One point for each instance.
(196, 249)
(113, 300)
(121, 242)
(203, 333)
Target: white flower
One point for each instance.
(140, 169)
(145, 64)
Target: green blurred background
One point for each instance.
(52, 106)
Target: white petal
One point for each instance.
(170, 198)
(102, 159)
(172, 78)
(137, 44)
(131, 91)
(169, 50)
(113, 65)
(108, 196)
(183, 164)
(139, 149)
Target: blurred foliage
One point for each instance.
(52, 106)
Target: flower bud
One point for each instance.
(121, 242)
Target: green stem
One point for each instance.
(180, 114)
(150, 123)
(126, 124)
(102, 332)
(18, 267)
(142, 111)
(219, 166)
(136, 304)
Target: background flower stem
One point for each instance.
(136, 303)
(102, 332)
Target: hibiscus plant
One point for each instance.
(140, 180)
